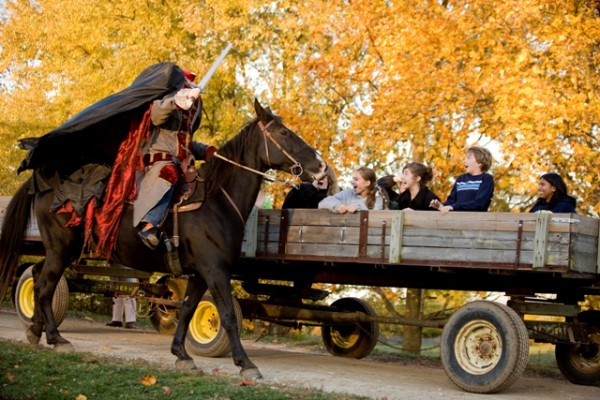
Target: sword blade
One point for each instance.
(214, 67)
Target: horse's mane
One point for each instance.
(217, 172)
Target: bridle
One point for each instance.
(296, 170)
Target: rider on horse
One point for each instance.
(170, 148)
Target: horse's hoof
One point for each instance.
(65, 347)
(251, 374)
(32, 338)
(185, 365)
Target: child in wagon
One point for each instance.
(474, 189)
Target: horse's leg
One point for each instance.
(194, 292)
(44, 288)
(219, 285)
(34, 331)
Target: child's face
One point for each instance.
(545, 190)
(409, 179)
(471, 164)
(359, 184)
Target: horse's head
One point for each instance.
(285, 150)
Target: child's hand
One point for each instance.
(435, 204)
(445, 209)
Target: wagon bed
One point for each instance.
(508, 252)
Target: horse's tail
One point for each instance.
(16, 222)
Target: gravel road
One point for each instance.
(291, 366)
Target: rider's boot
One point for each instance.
(150, 233)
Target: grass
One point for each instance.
(30, 372)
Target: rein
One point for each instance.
(296, 169)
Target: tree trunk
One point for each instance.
(412, 334)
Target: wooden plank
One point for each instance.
(585, 225)
(395, 252)
(453, 240)
(250, 235)
(541, 239)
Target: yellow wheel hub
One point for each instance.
(26, 298)
(205, 323)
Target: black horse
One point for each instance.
(211, 236)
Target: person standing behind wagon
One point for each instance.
(308, 195)
(553, 195)
(364, 195)
(415, 195)
(473, 190)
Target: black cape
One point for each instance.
(93, 136)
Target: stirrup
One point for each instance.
(173, 258)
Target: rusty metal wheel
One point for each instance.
(352, 340)
(580, 363)
(484, 347)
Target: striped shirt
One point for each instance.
(471, 193)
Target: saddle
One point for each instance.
(189, 195)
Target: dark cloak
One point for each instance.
(93, 136)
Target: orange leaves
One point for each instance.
(364, 82)
(148, 380)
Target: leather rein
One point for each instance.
(296, 169)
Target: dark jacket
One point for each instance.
(306, 196)
(400, 201)
(565, 204)
(420, 202)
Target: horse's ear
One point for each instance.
(261, 113)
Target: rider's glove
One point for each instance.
(185, 98)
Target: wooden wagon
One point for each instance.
(484, 344)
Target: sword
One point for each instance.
(213, 68)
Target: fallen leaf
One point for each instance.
(148, 380)
(10, 376)
(247, 382)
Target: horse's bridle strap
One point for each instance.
(267, 134)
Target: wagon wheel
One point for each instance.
(352, 340)
(580, 363)
(164, 318)
(20, 269)
(484, 347)
(206, 337)
(25, 301)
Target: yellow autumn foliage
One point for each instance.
(367, 83)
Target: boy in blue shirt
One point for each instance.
(473, 190)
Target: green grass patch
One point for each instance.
(29, 372)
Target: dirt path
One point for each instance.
(297, 367)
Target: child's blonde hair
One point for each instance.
(483, 156)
